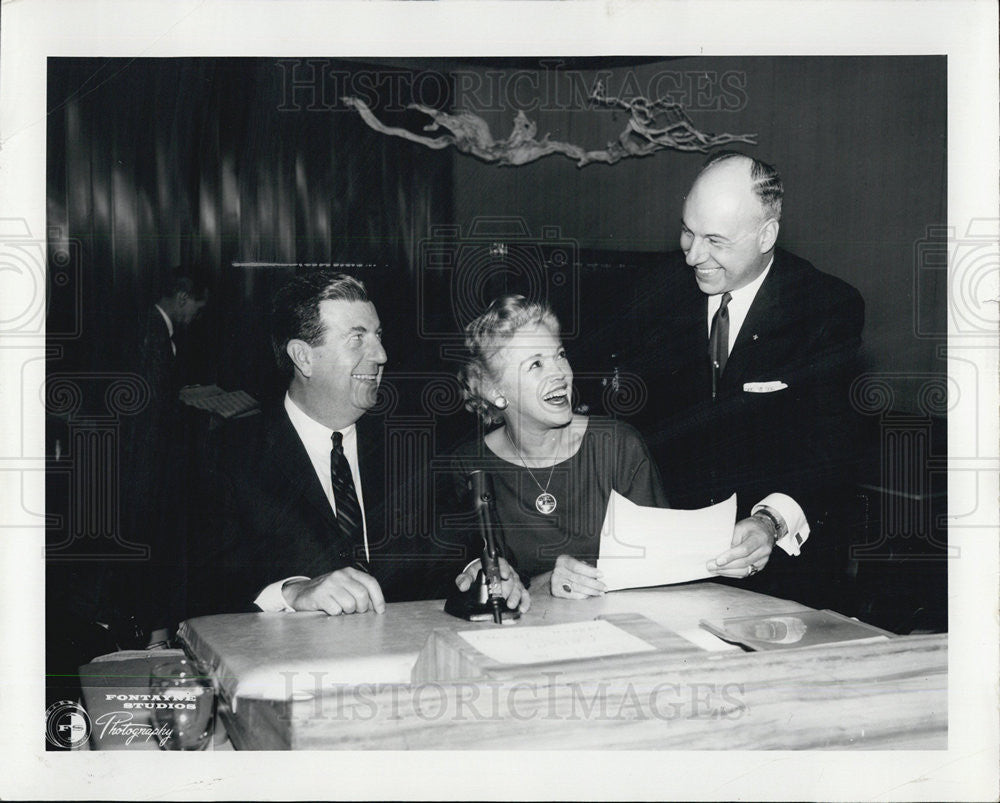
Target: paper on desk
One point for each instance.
(650, 546)
(536, 645)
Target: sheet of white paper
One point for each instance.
(536, 645)
(707, 641)
(649, 546)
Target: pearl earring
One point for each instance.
(500, 402)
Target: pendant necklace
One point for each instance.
(545, 502)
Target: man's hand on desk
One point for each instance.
(753, 540)
(347, 590)
(514, 592)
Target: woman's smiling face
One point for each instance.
(535, 376)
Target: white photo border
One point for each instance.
(963, 30)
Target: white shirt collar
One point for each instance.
(744, 295)
(166, 320)
(739, 304)
(315, 438)
(311, 430)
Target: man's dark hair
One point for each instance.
(767, 184)
(295, 311)
(184, 279)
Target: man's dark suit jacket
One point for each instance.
(148, 434)
(153, 466)
(803, 329)
(117, 593)
(269, 519)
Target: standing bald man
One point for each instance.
(747, 355)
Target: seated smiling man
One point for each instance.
(300, 492)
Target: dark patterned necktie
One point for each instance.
(718, 341)
(345, 496)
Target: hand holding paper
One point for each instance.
(646, 546)
(574, 579)
(752, 545)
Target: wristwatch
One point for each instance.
(780, 528)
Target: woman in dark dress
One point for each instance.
(553, 470)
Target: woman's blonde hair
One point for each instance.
(485, 336)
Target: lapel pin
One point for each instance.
(755, 337)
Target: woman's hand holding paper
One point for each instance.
(574, 579)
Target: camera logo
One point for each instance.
(966, 271)
(461, 273)
(67, 725)
(31, 282)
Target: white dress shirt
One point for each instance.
(739, 306)
(170, 328)
(782, 504)
(315, 438)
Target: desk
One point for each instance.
(307, 681)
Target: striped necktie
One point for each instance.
(345, 497)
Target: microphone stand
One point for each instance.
(484, 599)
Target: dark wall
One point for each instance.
(216, 162)
(233, 162)
(860, 143)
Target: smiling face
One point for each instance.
(725, 235)
(337, 378)
(531, 370)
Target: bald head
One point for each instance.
(727, 189)
(730, 222)
(765, 183)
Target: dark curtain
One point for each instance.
(156, 163)
(160, 162)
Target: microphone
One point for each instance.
(484, 500)
(484, 599)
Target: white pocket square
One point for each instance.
(764, 387)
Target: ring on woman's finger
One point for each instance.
(751, 570)
(567, 589)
